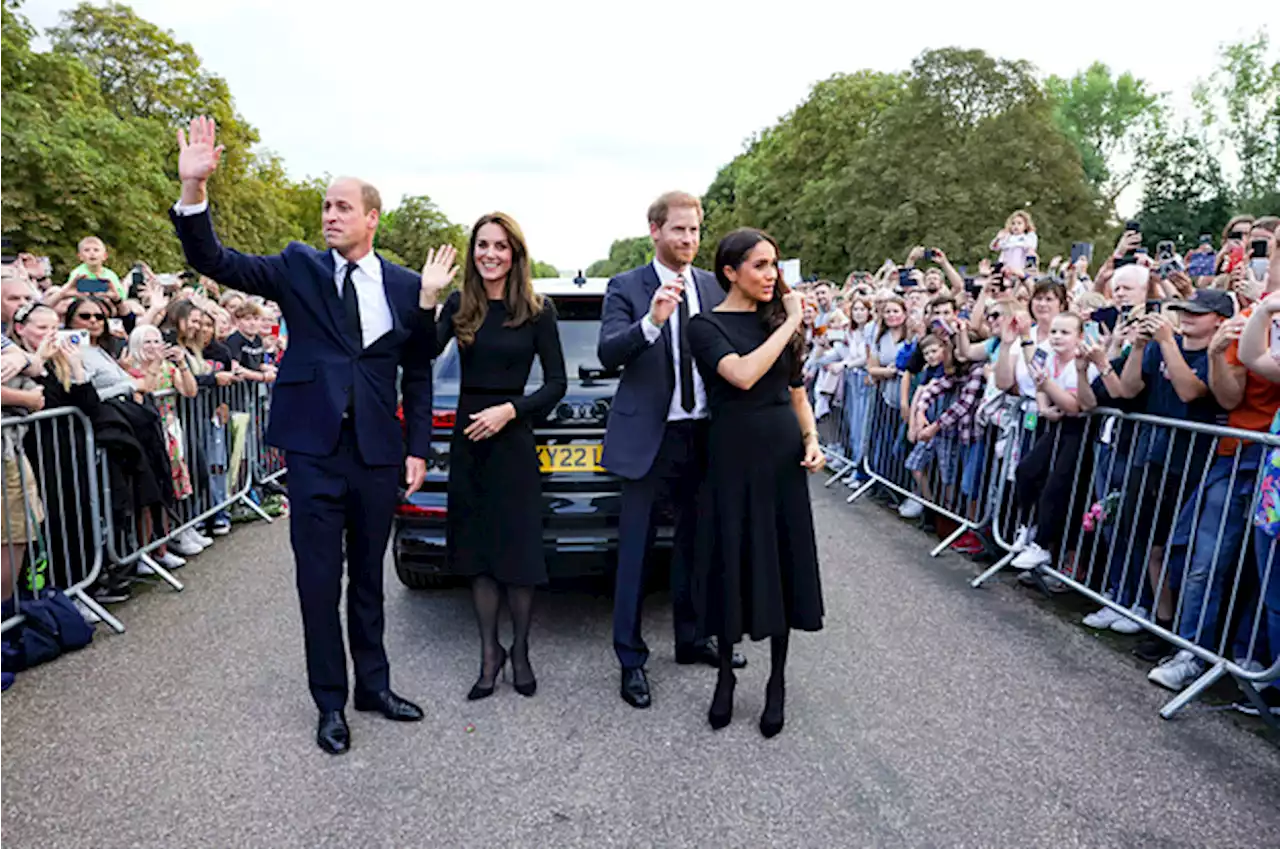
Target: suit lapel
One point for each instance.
(329, 297)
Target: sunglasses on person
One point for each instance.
(90, 316)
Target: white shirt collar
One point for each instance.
(666, 275)
(369, 264)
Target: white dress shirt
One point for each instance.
(375, 311)
(676, 412)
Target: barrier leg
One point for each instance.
(1193, 692)
(857, 493)
(164, 574)
(946, 543)
(990, 573)
(841, 475)
(97, 609)
(248, 502)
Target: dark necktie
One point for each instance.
(351, 306)
(687, 399)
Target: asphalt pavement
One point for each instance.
(925, 714)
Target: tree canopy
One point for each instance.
(89, 147)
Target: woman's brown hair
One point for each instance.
(522, 303)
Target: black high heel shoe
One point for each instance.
(478, 690)
(721, 712)
(774, 716)
(528, 688)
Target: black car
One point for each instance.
(580, 500)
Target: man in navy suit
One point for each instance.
(657, 435)
(355, 320)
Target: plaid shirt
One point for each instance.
(958, 416)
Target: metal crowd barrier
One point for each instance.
(1148, 515)
(53, 529)
(220, 431)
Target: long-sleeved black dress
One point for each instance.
(495, 487)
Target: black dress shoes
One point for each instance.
(332, 733)
(706, 653)
(389, 705)
(635, 688)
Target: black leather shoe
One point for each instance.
(706, 653)
(332, 733)
(390, 705)
(635, 688)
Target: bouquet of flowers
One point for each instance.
(1101, 513)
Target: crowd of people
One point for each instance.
(128, 352)
(926, 370)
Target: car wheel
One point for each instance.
(416, 579)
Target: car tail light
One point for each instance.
(444, 419)
(420, 512)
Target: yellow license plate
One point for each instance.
(570, 458)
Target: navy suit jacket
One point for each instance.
(323, 366)
(639, 412)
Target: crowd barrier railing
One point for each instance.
(1150, 518)
(216, 439)
(53, 528)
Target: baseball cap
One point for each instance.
(1205, 301)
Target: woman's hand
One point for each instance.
(793, 303)
(814, 459)
(225, 378)
(437, 272)
(489, 421)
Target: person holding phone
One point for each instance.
(91, 276)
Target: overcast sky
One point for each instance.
(573, 116)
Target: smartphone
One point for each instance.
(1039, 358)
(1258, 249)
(1031, 261)
(115, 326)
(1166, 249)
(929, 254)
(1132, 226)
(1154, 306)
(938, 324)
(73, 338)
(1140, 250)
(1106, 317)
(1092, 332)
(1079, 249)
(1206, 239)
(904, 278)
(136, 278)
(965, 313)
(91, 285)
(1202, 265)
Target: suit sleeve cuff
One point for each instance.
(185, 209)
(650, 330)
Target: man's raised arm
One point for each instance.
(198, 158)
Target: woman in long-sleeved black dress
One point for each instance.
(495, 488)
(762, 569)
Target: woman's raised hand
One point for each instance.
(438, 271)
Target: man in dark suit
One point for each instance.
(354, 320)
(657, 435)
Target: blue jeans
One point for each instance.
(1269, 588)
(857, 396)
(1204, 563)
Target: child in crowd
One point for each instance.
(93, 257)
(1017, 240)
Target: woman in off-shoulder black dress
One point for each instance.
(761, 564)
(494, 522)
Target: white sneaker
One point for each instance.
(1125, 625)
(911, 509)
(1022, 539)
(184, 546)
(1102, 619)
(199, 538)
(1177, 672)
(170, 561)
(1032, 557)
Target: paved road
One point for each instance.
(926, 714)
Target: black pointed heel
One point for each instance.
(478, 690)
(774, 716)
(721, 712)
(528, 688)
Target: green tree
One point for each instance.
(624, 254)
(1185, 193)
(1108, 119)
(545, 269)
(416, 226)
